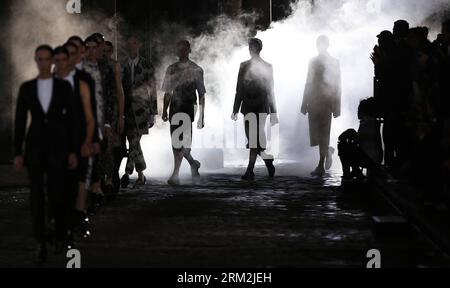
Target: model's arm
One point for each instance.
(167, 99)
(20, 127)
(238, 96)
(89, 115)
(153, 93)
(308, 90)
(337, 103)
(167, 88)
(120, 98)
(20, 122)
(272, 102)
(72, 124)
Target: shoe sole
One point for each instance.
(124, 184)
(173, 183)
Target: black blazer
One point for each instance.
(255, 88)
(51, 135)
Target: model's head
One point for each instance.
(255, 46)
(92, 49)
(61, 58)
(322, 44)
(43, 57)
(183, 49)
(134, 45)
(76, 40)
(73, 54)
(101, 44)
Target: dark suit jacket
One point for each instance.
(139, 103)
(323, 90)
(255, 88)
(50, 136)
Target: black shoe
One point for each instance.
(92, 206)
(195, 167)
(195, 170)
(83, 225)
(329, 158)
(99, 197)
(319, 172)
(174, 181)
(357, 174)
(69, 241)
(249, 176)
(125, 181)
(140, 182)
(270, 168)
(41, 254)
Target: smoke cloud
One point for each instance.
(351, 25)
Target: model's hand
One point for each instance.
(151, 122)
(18, 163)
(303, 110)
(165, 117)
(201, 122)
(107, 131)
(96, 148)
(73, 161)
(234, 116)
(86, 149)
(274, 119)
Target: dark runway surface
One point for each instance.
(288, 221)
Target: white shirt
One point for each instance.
(79, 66)
(70, 78)
(45, 92)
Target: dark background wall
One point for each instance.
(5, 89)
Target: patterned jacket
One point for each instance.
(140, 95)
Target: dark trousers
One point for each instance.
(135, 156)
(255, 125)
(119, 154)
(71, 190)
(53, 188)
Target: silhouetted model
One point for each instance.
(75, 182)
(51, 144)
(141, 106)
(183, 80)
(321, 101)
(255, 98)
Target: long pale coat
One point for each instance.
(322, 97)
